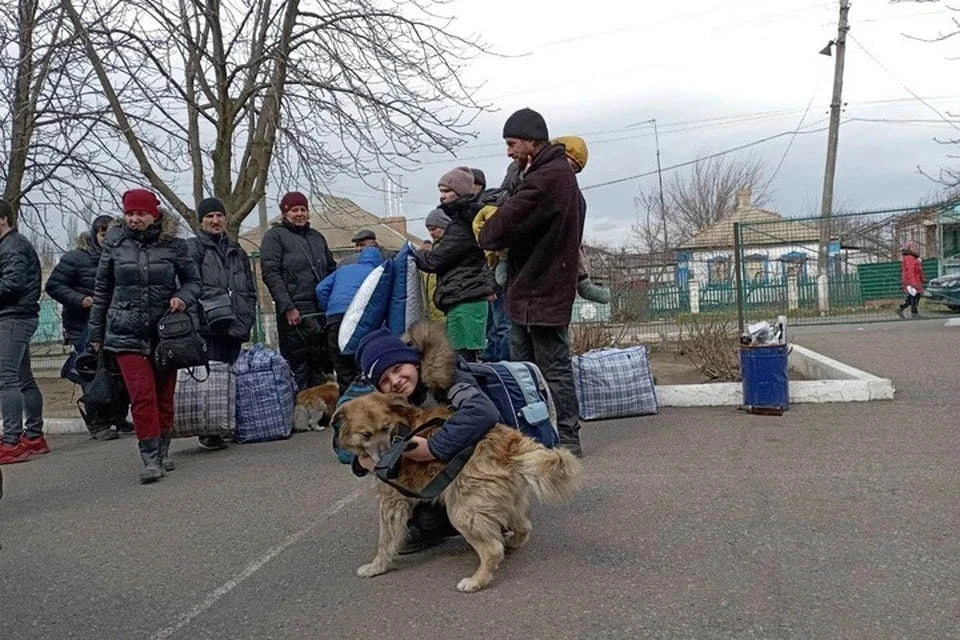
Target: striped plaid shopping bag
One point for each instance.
(614, 383)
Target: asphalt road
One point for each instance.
(832, 521)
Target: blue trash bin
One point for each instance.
(765, 385)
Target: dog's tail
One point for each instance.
(552, 474)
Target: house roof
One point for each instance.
(774, 230)
(339, 219)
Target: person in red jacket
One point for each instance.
(911, 279)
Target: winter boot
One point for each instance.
(103, 433)
(124, 427)
(428, 526)
(152, 469)
(165, 460)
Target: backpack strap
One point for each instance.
(388, 468)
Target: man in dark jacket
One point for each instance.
(294, 259)
(20, 400)
(541, 222)
(71, 284)
(228, 299)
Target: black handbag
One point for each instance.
(104, 392)
(180, 346)
(217, 309)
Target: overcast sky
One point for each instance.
(714, 74)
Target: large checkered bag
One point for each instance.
(205, 406)
(613, 383)
(266, 392)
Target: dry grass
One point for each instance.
(712, 345)
(585, 337)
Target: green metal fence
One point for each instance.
(50, 328)
(845, 268)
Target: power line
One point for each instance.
(742, 147)
(803, 117)
(691, 15)
(680, 126)
(905, 87)
(702, 158)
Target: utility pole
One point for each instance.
(264, 223)
(826, 206)
(663, 208)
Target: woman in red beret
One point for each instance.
(144, 272)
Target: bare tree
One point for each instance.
(214, 96)
(948, 176)
(58, 160)
(696, 198)
(55, 165)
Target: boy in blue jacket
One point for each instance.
(334, 294)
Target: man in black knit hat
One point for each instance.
(541, 223)
(228, 299)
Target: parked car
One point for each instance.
(945, 289)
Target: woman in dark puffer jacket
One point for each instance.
(144, 271)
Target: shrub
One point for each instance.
(712, 345)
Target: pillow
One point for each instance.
(367, 310)
(406, 296)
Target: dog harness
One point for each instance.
(388, 467)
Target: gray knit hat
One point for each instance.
(437, 218)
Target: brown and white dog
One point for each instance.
(489, 500)
(314, 406)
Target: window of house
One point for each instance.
(755, 268)
(718, 270)
(794, 265)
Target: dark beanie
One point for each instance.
(100, 222)
(210, 205)
(379, 350)
(141, 200)
(5, 209)
(479, 178)
(293, 199)
(526, 124)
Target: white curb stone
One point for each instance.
(830, 381)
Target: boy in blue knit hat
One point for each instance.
(423, 368)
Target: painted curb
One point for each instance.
(64, 426)
(833, 381)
